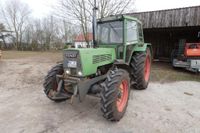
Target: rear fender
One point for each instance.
(143, 48)
(140, 48)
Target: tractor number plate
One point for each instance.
(72, 64)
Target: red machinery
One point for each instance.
(192, 50)
(190, 59)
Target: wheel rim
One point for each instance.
(53, 90)
(147, 68)
(123, 98)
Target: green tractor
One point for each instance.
(119, 61)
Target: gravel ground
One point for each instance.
(163, 107)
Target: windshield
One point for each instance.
(110, 32)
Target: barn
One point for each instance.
(169, 29)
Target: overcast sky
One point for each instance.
(42, 8)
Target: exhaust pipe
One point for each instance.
(94, 25)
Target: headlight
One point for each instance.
(72, 64)
(80, 73)
(67, 71)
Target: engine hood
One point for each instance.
(91, 58)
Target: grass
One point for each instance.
(161, 72)
(54, 55)
(164, 72)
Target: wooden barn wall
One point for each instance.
(170, 18)
(165, 40)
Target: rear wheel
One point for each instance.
(50, 83)
(141, 67)
(115, 94)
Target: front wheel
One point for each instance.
(115, 94)
(51, 85)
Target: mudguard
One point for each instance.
(140, 48)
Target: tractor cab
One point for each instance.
(119, 32)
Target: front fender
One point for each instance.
(84, 86)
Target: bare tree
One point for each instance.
(57, 31)
(27, 38)
(70, 30)
(81, 10)
(76, 11)
(15, 14)
(113, 7)
(4, 33)
(47, 33)
(37, 34)
(2, 28)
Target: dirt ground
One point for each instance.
(163, 107)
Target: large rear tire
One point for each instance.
(141, 67)
(50, 84)
(115, 94)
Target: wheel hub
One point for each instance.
(147, 68)
(122, 96)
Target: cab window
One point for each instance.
(140, 32)
(131, 31)
(110, 32)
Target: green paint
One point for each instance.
(87, 55)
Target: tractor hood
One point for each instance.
(87, 60)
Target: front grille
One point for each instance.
(72, 55)
(73, 71)
(101, 58)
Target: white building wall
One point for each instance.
(81, 44)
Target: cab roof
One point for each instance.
(117, 17)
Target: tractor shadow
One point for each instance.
(88, 110)
(85, 110)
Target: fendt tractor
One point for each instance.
(118, 61)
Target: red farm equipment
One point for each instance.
(189, 59)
